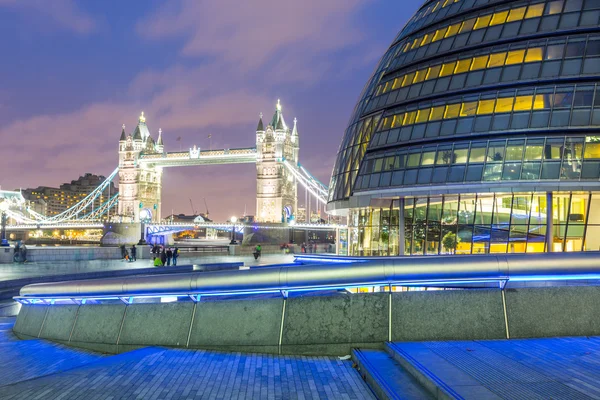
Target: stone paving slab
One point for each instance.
(36, 369)
(548, 368)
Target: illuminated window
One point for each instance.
(479, 63)
(468, 25)
(504, 105)
(516, 15)
(468, 109)
(423, 115)
(523, 103)
(534, 54)
(447, 69)
(462, 66)
(397, 83)
(535, 10)
(515, 57)
(452, 111)
(486, 107)
(439, 34)
(497, 60)
(420, 76)
(592, 150)
(397, 120)
(410, 117)
(408, 79)
(437, 113)
(426, 39)
(452, 30)
(433, 72)
(482, 22)
(540, 102)
(499, 18)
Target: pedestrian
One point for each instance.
(157, 262)
(133, 253)
(123, 251)
(169, 256)
(310, 247)
(163, 256)
(303, 248)
(175, 255)
(257, 251)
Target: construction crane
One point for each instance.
(192, 205)
(206, 205)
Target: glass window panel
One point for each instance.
(523, 103)
(468, 109)
(486, 106)
(504, 104)
(420, 76)
(477, 154)
(550, 170)
(555, 52)
(413, 160)
(439, 34)
(575, 49)
(553, 149)
(531, 170)
(378, 165)
(512, 171)
(515, 57)
(592, 151)
(448, 69)
(492, 172)
(593, 48)
(499, 18)
(514, 150)
(534, 150)
(497, 60)
(462, 66)
(428, 158)
(554, 7)
(437, 113)
(423, 115)
(453, 30)
(543, 101)
(433, 72)
(474, 173)
(452, 110)
(563, 100)
(479, 63)
(444, 157)
(468, 25)
(483, 22)
(460, 156)
(583, 98)
(496, 151)
(516, 15)
(535, 10)
(409, 118)
(534, 54)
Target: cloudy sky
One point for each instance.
(73, 72)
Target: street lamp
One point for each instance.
(4, 217)
(233, 221)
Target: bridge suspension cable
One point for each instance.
(100, 211)
(309, 182)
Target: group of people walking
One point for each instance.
(125, 254)
(163, 256)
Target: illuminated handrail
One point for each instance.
(421, 271)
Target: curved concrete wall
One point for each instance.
(321, 324)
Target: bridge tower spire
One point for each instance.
(276, 187)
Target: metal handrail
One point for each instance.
(391, 271)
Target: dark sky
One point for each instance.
(73, 72)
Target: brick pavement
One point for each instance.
(44, 370)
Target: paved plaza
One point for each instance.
(35, 269)
(36, 369)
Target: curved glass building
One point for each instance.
(479, 132)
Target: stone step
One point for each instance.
(386, 377)
(441, 378)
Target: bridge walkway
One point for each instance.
(33, 369)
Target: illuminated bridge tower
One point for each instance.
(276, 188)
(140, 184)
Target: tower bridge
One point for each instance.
(140, 172)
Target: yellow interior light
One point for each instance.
(423, 115)
(437, 113)
(408, 79)
(420, 76)
(452, 30)
(499, 18)
(504, 104)
(523, 103)
(462, 66)
(486, 107)
(516, 15)
(468, 109)
(482, 22)
(497, 60)
(535, 10)
(534, 54)
(479, 63)
(468, 25)
(515, 57)
(410, 118)
(433, 72)
(452, 111)
(447, 69)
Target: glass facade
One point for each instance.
(476, 224)
(478, 115)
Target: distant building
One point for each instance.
(182, 218)
(51, 201)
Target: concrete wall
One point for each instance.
(331, 324)
(63, 253)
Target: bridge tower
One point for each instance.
(139, 185)
(276, 187)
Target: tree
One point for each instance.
(450, 241)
